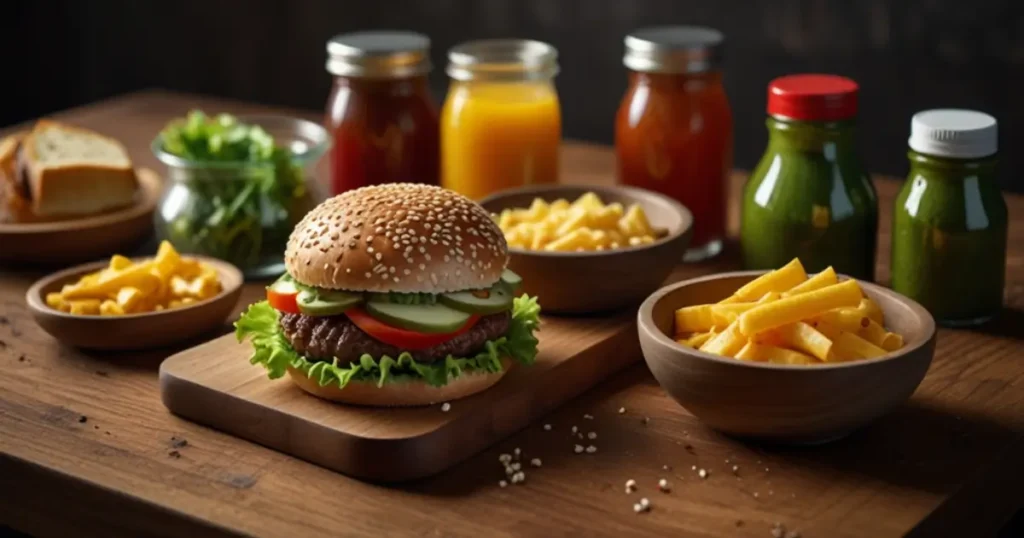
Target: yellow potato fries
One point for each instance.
(784, 317)
(125, 287)
(584, 225)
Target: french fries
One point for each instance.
(125, 287)
(785, 317)
(584, 225)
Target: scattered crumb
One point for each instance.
(622, 410)
(666, 468)
(519, 477)
(771, 492)
(739, 522)
(637, 508)
(102, 373)
(4, 320)
(83, 419)
(535, 462)
(579, 436)
(792, 534)
(756, 494)
(516, 452)
(630, 485)
(178, 442)
(693, 467)
(588, 416)
(689, 448)
(174, 453)
(591, 449)
(703, 473)
(574, 429)
(445, 407)
(644, 421)
(663, 485)
(509, 471)
(502, 483)
(21, 358)
(592, 435)
(778, 530)
(95, 426)
(645, 503)
(505, 458)
(578, 449)
(736, 470)
(766, 469)
(547, 427)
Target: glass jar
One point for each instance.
(809, 196)
(501, 124)
(950, 220)
(380, 112)
(673, 131)
(241, 212)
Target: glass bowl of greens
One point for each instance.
(236, 186)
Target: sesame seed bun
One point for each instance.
(399, 237)
(401, 393)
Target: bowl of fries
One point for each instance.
(785, 357)
(587, 249)
(137, 303)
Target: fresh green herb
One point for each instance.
(243, 194)
(271, 350)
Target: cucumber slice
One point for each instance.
(497, 299)
(510, 279)
(326, 302)
(424, 318)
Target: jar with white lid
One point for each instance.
(950, 220)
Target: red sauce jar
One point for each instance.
(673, 131)
(380, 112)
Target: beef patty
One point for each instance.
(326, 337)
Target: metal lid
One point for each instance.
(957, 133)
(674, 49)
(382, 54)
(503, 59)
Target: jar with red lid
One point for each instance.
(380, 111)
(809, 197)
(673, 131)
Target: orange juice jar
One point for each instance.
(501, 124)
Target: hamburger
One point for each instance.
(394, 295)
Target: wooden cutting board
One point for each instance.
(214, 384)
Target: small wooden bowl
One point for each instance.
(75, 240)
(775, 402)
(133, 331)
(586, 282)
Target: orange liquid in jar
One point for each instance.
(673, 135)
(499, 135)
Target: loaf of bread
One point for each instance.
(69, 171)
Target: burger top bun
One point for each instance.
(401, 237)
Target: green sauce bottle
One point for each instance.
(810, 197)
(950, 221)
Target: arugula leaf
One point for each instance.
(271, 349)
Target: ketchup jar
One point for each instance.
(673, 131)
(380, 112)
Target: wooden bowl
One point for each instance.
(585, 282)
(775, 402)
(70, 241)
(133, 331)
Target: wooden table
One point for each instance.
(85, 444)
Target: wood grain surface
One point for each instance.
(948, 463)
(214, 384)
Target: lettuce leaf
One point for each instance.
(271, 350)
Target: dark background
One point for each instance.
(908, 55)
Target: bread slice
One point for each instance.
(14, 207)
(75, 171)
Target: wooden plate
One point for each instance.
(88, 238)
(777, 402)
(588, 282)
(134, 331)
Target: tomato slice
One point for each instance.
(402, 338)
(281, 296)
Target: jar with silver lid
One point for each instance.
(673, 131)
(380, 111)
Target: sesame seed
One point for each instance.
(516, 452)
(735, 469)
(370, 250)
(502, 483)
(574, 429)
(577, 449)
(368, 275)
(702, 473)
(535, 462)
(547, 427)
(637, 508)
(592, 435)
(630, 485)
(591, 449)
(516, 466)
(663, 485)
